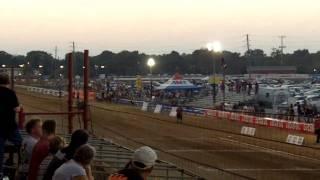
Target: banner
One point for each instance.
(145, 106)
(158, 108)
(173, 112)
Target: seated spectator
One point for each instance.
(140, 166)
(55, 145)
(78, 138)
(34, 132)
(41, 149)
(77, 168)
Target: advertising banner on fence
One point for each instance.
(262, 121)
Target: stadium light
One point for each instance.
(151, 62)
(61, 66)
(102, 67)
(214, 46)
(40, 66)
(3, 65)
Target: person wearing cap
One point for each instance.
(139, 167)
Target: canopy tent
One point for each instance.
(177, 83)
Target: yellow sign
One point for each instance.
(215, 80)
(139, 83)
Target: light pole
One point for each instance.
(214, 47)
(151, 63)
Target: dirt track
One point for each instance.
(180, 143)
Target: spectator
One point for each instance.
(256, 88)
(140, 166)
(179, 114)
(317, 129)
(34, 132)
(41, 149)
(9, 105)
(78, 138)
(78, 167)
(299, 110)
(291, 112)
(55, 145)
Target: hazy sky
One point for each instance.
(157, 26)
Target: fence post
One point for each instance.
(70, 92)
(86, 75)
(21, 118)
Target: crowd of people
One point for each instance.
(43, 155)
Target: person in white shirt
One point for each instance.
(34, 132)
(77, 168)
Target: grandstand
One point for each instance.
(112, 157)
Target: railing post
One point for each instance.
(70, 92)
(22, 118)
(86, 75)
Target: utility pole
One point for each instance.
(73, 46)
(248, 43)
(54, 61)
(250, 62)
(281, 47)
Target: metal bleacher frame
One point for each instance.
(111, 157)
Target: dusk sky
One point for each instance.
(157, 26)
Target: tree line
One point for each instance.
(200, 61)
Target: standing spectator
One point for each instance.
(140, 166)
(34, 132)
(9, 105)
(299, 110)
(291, 112)
(78, 138)
(41, 149)
(249, 88)
(179, 114)
(317, 129)
(256, 88)
(78, 167)
(55, 145)
(314, 110)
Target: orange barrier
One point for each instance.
(80, 94)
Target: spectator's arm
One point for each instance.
(17, 109)
(89, 173)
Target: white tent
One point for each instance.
(177, 83)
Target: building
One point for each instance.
(271, 70)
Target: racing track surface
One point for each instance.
(197, 149)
